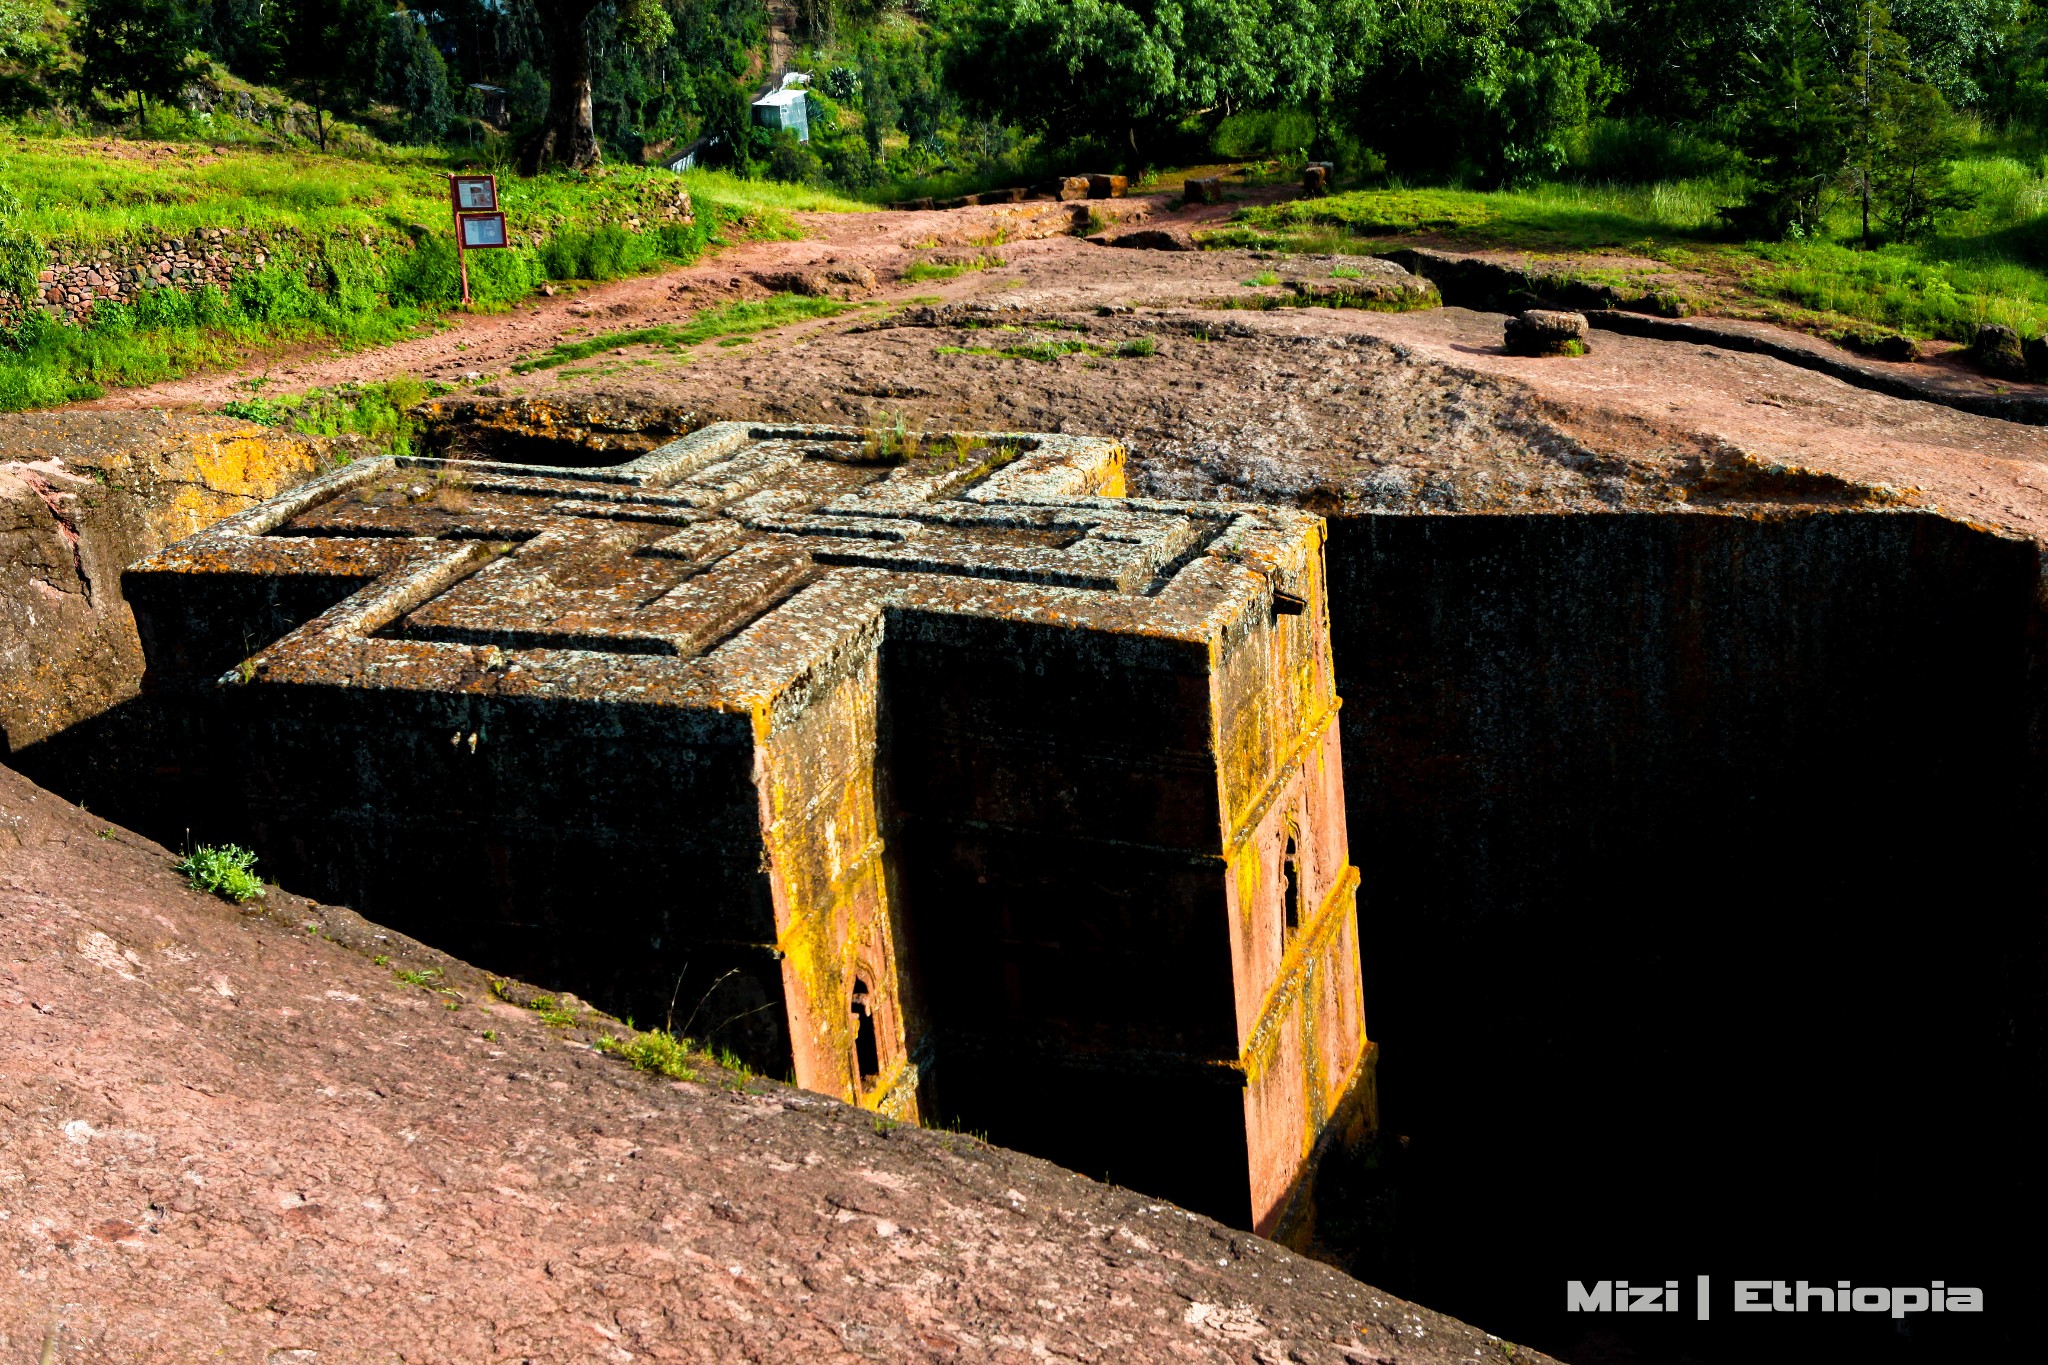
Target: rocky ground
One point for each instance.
(233, 1136)
(287, 1137)
(1340, 408)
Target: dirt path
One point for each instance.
(486, 344)
(1380, 409)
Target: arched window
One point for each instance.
(867, 1055)
(1290, 890)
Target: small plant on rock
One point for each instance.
(891, 442)
(656, 1050)
(552, 1012)
(227, 871)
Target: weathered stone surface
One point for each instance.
(551, 430)
(1996, 349)
(1066, 187)
(1203, 190)
(803, 709)
(1108, 186)
(1542, 332)
(1156, 239)
(848, 280)
(1326, 281)
(231, 1137)
(82, 495)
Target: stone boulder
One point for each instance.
(1157, 239)
(1996, 350)
(1064, 188)
(1543, 331)
(1206, 189)
(82, 495)
(830, 280)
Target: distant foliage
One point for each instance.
(139, 48)
(414, 77)
(1264, 132)
(1129, 74)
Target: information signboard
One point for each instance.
(480, 230)
(473, 193)
(479, 225)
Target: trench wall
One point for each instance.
(1701, 899)
(82, 496)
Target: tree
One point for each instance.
(1912, 183)
(1790, 126)
(1132, 70)
(567, 135)
(322, 45)
(1491, 88)
(244, 35)
(137, 47)
(415, 78)
(879, 110)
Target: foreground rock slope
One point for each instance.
(243, 1136)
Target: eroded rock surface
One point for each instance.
(230, 1136)
(84, 494)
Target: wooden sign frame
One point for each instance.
(470, 243)
(473, 193)
(472, 198)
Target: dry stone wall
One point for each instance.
(77, 277)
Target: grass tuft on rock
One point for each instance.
(226, 870)
(656, 1050)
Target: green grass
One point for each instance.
(360, 252)
(227, 871)
(72, 190)
(656, 1050)
(753, 196)
(1987, 264)
(1046, 352)
(1556, 216)
(919, 271)
(728, 320)
(552, 1012)
(378, 412)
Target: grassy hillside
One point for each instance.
(1984, 266)
(360, 249)
(90, 190)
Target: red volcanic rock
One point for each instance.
(245, 1137)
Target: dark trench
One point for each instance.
(1701, 915)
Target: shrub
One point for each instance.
(1641, 151)
(426, 274)
(1264, 132)
(227, 871)
(276, 293)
